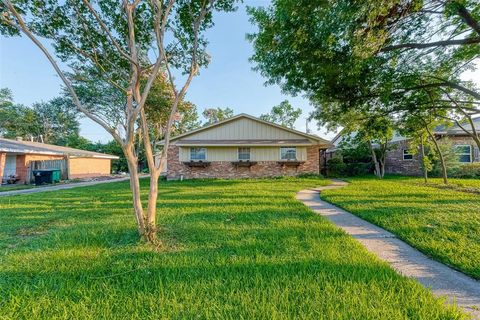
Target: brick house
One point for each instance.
(16, 157)
(399, 159)
(243, 147)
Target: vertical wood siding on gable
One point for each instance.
(243, 129)
(231, 153)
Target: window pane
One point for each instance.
(288, 153)
(407, 155)
(244, 154)
(464, 158)
(462, 149)
(197, 153)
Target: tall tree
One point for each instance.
(56, 120)
(214, 115)
(370, 57)
(115, 51)
(49, 122)
(283, 114)
(157, 108)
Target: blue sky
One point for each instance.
(229, 80)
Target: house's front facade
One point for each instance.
(400, 160)
(16, 158)
(244, 147)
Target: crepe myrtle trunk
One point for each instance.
(378, 171)
(424, 159)
(440, 156)
(132, 162)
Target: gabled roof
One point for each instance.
(456, 130)
(308, 137)
(28, 147)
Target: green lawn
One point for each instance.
(233, 250)
(13, 187)
(443, 223)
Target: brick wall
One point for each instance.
(88, 167)
(23, 163)
(3, 158)
(394, 162)
(225, 169)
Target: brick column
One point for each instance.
(3, 159)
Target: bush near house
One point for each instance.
(471, 170)
(233, 249)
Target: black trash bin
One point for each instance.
(46, 176)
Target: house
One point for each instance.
(16, 158)
(400, 160)
(242, 147)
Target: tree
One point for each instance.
(157, 107)
(115, 51)
(373, 58)
(56, 120)
(283, 114)
(48, 122)
(214, 115)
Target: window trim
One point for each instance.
(406, 153)
(280, 150)
(190, 154)
(249, 154)
(464, 154)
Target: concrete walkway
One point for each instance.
(442, 280)
(60, 187)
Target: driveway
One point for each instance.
(60, 187)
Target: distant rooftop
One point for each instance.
(455, 129)
(28, 147)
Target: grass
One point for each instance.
(443, 223)
(241, 249)
(13, 187)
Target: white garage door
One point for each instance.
(10, 166)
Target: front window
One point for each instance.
(244, 154)
(288, 153)
(464, 153)
(407, 155)
(198, 154)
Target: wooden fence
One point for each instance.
(49, 164)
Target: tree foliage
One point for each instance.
(360, 60)
(283, 114)
(48, 122)
(213, 115)
(114, 51)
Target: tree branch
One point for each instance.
(442, 43)
(22, 27)
(107, 32)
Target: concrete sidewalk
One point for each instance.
(60, 187)
(441, 279)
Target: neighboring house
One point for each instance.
(16, 158)
(244, 146)
(399, 160)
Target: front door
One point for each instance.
(10, 166)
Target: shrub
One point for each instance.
(336, 167)
(471, 170)
(359, 168)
